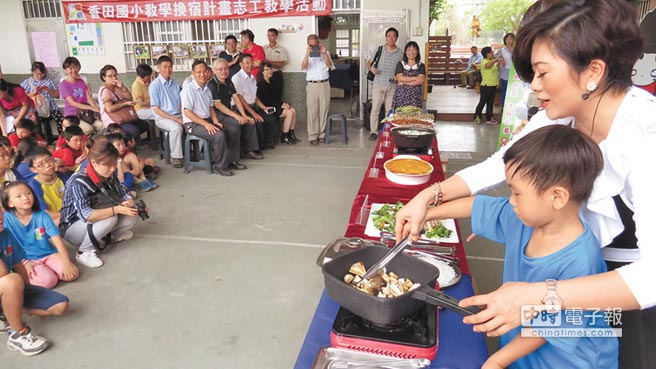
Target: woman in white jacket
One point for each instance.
(578, 56)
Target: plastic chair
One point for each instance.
(329, 129)
(192, 154)
(152, 135)
(165, 146)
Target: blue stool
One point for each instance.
(192, 154)
(165, 146)
(329, 129)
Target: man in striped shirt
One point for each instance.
(384, 84)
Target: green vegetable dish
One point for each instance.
(385, 219)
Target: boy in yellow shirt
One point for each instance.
(47, 187)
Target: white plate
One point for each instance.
(370, 229)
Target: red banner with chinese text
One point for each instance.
(92, 11)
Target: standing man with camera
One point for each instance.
(384, 85)
(317, 63)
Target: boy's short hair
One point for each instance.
(26, 124)
(113, 128)
(75, 121)
(557, 155)
(35, 153)
(144, 70)
(72, 131)
(116, 136)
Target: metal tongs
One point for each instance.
(378, 267)
(435, 247)
(383, 364)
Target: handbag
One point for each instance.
(88, 115)
(123, 115)
(374, 64)
(42, 106)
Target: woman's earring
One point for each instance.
(591, 87)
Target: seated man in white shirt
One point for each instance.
(200, 119)
(246, 86)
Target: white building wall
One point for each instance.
(295, 43)
(418, 15)
(15, 58)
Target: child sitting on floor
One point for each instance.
(48, 187)
(46, 256)
(26, 128)
(6, 158)
(128, 162)
(69, 120)
(21, 168)
(550, 172)
(69, 156)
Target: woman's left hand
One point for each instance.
(129, 203)
(503, 307)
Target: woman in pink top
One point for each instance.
(16, 105)
(77, 95)
(116, 104)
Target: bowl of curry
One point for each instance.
(408, 170)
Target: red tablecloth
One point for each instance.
(381, 190)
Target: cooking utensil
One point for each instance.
(333, 358)
(434, 246)
(413, 137)
(343, 244)
(378, 267)
(385, 311)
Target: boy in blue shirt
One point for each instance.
(550, 172)
(16, 295)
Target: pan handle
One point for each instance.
(434, 297)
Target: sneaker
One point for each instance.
(491, 121)
(127, 235)
(462, 86)
(89, 259)
(27, 343)
(4, 325)
(373, 137)
(477, 120)
(152, 184)
(145, 186)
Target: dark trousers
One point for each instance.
(266, 130)
(220, 146)
(276, 80)
(135, 128)
(487, 99)
(638, 335)
(246, 134)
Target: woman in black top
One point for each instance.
(270, 94)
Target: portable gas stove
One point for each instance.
(410, 338)
(425, 153)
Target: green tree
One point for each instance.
(436, 8)
(503, 15)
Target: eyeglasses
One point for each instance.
(41, 164)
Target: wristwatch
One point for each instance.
(551, 298)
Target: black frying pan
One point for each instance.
(380, 310)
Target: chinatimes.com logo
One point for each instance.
(553, 321)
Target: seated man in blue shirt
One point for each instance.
(467, 76)
(550, 172)
(200, 119)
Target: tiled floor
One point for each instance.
(223, 275)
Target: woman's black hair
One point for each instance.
(71, 61)
(580, 31)
(5, 195)
(409, 45)
(7, 87)
(105, 69)
(37, 65)
(505, 37)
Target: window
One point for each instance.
(176, 35)
(347, 35)
(42, 9)
(346, 5)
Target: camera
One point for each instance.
(142, 209)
